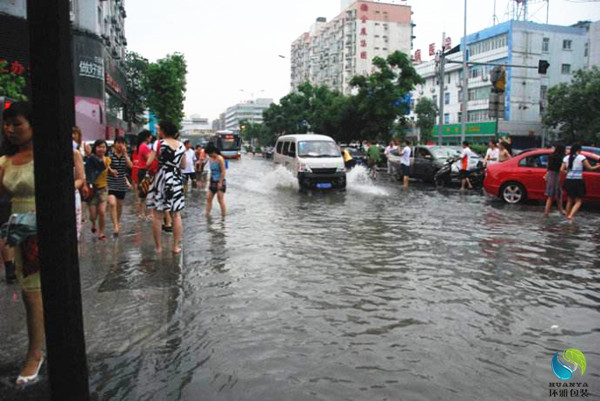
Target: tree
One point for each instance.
(384, 95)
(136, 68)
(165, 86)
(426, 112)
(573, 108)
(12, 81)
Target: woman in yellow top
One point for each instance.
(17, 180)
(97, 204)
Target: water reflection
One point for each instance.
(371, 293)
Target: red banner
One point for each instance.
(418, 56)
(432, 49)
(448, 44)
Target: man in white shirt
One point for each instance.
(189, 172)
(405, 162)
(465, 157)
(386, 152)
(492, 155)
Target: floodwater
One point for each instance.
(375, 293)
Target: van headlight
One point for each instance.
(304, 168)
(341, 169)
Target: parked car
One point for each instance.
(426, 160)
(522, 177)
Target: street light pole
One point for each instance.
(441, 78)
(465, 84)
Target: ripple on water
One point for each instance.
(372, 293)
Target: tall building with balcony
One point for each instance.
(333, 52)
(250, 111)
(520, 45)
(99, 47)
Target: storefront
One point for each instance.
(477, 133)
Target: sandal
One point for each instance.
(94, 230)
(22, 380)
(102, 237)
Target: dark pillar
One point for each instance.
(53, 110)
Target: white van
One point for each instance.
(315, 159)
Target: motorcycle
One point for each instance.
(450, 173)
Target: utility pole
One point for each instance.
(441, 78)
(465, 85)
(53, 119)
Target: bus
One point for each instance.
(229, 143)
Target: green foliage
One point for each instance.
(136, 68)
(256, 133)
(165, 86)
(573, 108)
(11, 82)
(373, 113)
(426, 112)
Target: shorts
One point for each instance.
(189, 177)
(553, 189)
(214, 186)
(120, 195)
(575, 188)
(462, 174)
(141, 174)
(100, 195)
(405, 170)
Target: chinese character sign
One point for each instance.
(363, 55)
(418, 56)
(431, 49)
(448, 44)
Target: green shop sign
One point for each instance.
(473, 129)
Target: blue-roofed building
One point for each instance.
(566, 48)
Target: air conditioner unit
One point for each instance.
(432, 89)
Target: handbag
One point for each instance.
(144, 186)
(90, 194)
(21, 231)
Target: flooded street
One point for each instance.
(374, 293)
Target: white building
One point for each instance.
(516, 43)
(250, 111)
(196, 128)
(331, 53)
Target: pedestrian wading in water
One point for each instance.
(218, 184)
(166, 191)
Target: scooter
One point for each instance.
(447, 174)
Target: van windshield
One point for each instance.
(318, 149)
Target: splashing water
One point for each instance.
(358, 180)
(279, 178)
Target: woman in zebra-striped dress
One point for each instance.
(166, 191)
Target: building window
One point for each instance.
(448, 78)
(545, 45)
(460, 95)
(447, 98)
(586, 49)
(434, 99)
(566, 68)
(543, 92)
(446, 118)
(567, 44)
(459, 115)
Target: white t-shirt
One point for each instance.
(576, 173)
(494, 156)
(389, 149)
(465, 157)
(405, 156)
(190, 158)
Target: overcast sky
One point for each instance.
(234, 45)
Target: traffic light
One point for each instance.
(543, 66)
(498, 79)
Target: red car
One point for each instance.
(522, 177)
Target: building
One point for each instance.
(196, 128)
(250, 111)
(99, 47)
(333, 52)
(522, 45)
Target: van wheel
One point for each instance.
(513, 193)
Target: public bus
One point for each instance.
(229, 143)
